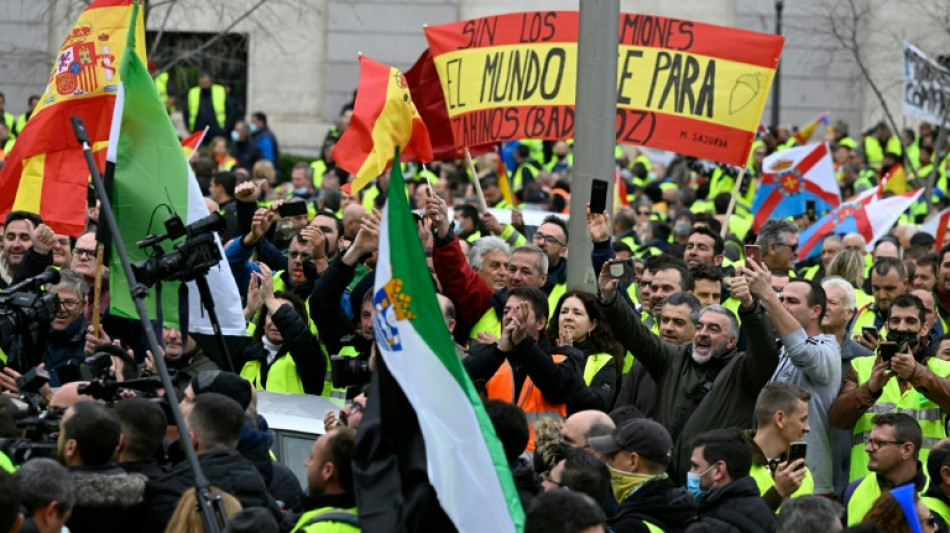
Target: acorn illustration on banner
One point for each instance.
(745, 91)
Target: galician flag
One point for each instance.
(466, 463)
(148, 172)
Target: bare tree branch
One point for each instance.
(217, 36)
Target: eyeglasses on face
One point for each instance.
(69, 305)
(876, 444)
(546, 476)
(550, 239)
(294, 254)
(792, 247)
(79, 252)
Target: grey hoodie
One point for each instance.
(814, 364)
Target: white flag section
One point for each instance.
(224, 291)
(882, 214)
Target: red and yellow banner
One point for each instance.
(46, 171)
(191, 143)
(684, 86)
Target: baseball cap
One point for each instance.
(642, 435)
(231, 385)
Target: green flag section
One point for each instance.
(149, 177)
(466, 463)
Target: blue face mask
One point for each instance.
(253, 127)
(235, 136)
(456, 227)
(300, 190)
(692, 484)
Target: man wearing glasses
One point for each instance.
(551, 238)
(892, 447)
(779, 242)
(66, 339)
(909, 382)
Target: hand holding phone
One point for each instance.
(753, 252)
(796, 451)
(598, 195)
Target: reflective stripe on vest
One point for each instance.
(310, 516)
(282, 376)
(518, 182)
(328, 388)
(862, 499)
(595, 362)
(218, 97)
(488, 323)
(910, 402)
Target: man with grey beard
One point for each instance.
(704, 384)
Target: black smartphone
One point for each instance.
(292, 209)
(598, 195)
(869, 332)
(796, 451)
(753, 252)
(810, 209)
(623, 269)
(887, 349)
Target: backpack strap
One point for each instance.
(344, 517)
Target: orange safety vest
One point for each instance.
(502, 387)
(567, 199)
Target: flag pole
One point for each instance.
(478, 185)
(431, 192)
(97, 288)
(732, 202)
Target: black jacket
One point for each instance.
(659, 502)
(639, 390)
(737, 508)
(558, 382)
(302, 346)
(324, 304)
(526, 481)
(107, 499)
(226, 470)
(150, 469)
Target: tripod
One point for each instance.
(209, 505)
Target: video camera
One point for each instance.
(25, 306)
(350, 371)
(40, 426)
(188, 259)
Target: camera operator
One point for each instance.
(27, 247)
(65, 341)
(285, 356)
(869, 387)
(184, 356)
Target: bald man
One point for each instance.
(582, 425)
(352, 216)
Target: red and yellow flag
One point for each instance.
(808, 130)
(503, 185)
(191, 143)
(895, 180)
(384, 117)
(46, 172)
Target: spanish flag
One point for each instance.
(384, 117)
(895, 180)
(809, 129)
(46, 172)
(191, 143)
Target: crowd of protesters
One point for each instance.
(693, 389)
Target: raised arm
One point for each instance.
(627, 328)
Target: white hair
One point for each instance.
(842, 284)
